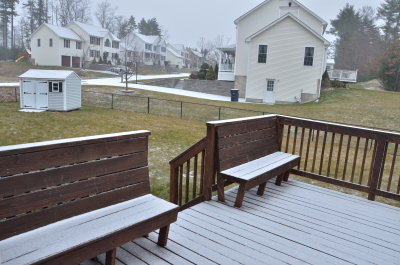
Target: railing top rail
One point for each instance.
(367, 132)
(239, 120)
(191, 151)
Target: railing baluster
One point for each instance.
(372, 161)
(383, 165)
(287, 139)
(194, 189)
(346, 160)
(203, 154)
(339, 155)
(180, 184)
(363, 161)
(330, 154)
(308, 149)
(301, 146)
(187, 180)
(321, 164)
(392, 167)
(355, 160)
(315, 152)
(294, 140)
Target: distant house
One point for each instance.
(73, 45)
(97, 42)
(280, 53)
(149, 50)
(174, 57)
(56, 46)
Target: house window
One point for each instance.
(163, 49)
(309, 56)
(115, 44)
(162, 58)
(94, 53)
(78, 45)
(50, 42)
(148, 47)
(262, 53)
(107, 43)
(38, 42)
(67, 43)
(56, 87)
(270, 85)
(94, 40)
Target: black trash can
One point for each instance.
(234, 95)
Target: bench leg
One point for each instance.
(286, 176)
(220, 189)
(146, 235)
(163, 236)
(110, 257)
(240, 196)
(279, 179)
(261, 189)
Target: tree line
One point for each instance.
(361, 43)
(17, 27)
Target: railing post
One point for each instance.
(173, 184)
(148, 105)
(279, 132)
(376, 167)
(209, 163)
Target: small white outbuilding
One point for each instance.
(50, 90)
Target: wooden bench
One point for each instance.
(247, 153)
(67, 201)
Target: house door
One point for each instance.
(76, 62)
(269, 96)
(66, 61)
(41, 95)
(28, 92)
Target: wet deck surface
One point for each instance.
(295, 223)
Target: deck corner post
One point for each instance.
(173, 185)
(279, 132)
(376, 167)
(209, 162)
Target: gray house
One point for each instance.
(50, 90)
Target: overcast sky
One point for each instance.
(188, 20)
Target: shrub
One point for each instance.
(326, 82)
(194, 75)
(210, 74)
(337, 84)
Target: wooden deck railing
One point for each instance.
(362, 159)
(187, 176)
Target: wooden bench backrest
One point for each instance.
(45, 182)
(238, 142)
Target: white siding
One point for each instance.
(73, 92)
(260, 18)
(285, 62)
(46, 55)
(56, 99)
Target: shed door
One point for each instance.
(42, 95)
(269, 96)
(28, 91)
(66, 61)
(76, 62)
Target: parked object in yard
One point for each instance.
(58, 90)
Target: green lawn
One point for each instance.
(171, 135)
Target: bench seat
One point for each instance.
(41, 244)
(258, 171)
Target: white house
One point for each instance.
(50, 90)
(97, 42)
(149, 50)
(174, 57)
(56, 46)
(280, 53)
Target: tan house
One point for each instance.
(280, 53)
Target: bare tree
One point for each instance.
(72, 10)
(106, 16)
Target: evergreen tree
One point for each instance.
(142, 26)
(210, 74)
(389, 12)
(326, 82)
(149, 27)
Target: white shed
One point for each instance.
(50, 90)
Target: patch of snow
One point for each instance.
(32, 110)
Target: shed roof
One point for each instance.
(47, 74)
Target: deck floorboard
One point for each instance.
(296, 223)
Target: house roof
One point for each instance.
(179, 47)
(288, 15)
(228, 48)
(295, 1)
(174, 52)
(61, 32)
(47, 74)
(148, 38)
(95, 30)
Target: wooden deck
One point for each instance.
(296, 223)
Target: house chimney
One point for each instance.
(290, 4)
